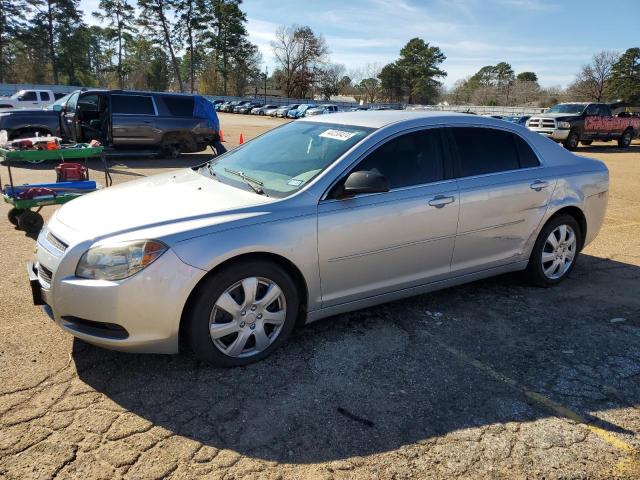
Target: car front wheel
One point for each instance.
(242, 314)
(555, 252)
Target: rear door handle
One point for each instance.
(440, 201)
(539, 185)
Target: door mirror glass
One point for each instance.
(364, 181)
(57, 108)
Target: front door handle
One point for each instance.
(539, 185)
(440, 201)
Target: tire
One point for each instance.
(245, 326)
(171, 147)
(571, 142)
(30, 222)
(541, 273)
(586, 142)
(625, 140)
(13, 215)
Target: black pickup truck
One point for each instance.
(120, 119)
(573, 123)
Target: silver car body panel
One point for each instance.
(351, 253)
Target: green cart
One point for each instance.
(22, 214)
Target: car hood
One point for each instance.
(28, 111)
(169, 203)
(557, 116)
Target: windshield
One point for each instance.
(575, 108)
(61, 101)
(284, 160)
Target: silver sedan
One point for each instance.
(314, 218)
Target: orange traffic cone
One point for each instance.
(221, 136)
(241, 139)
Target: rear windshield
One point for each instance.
(179, 106)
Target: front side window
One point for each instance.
(72, 102)
(28, 97)
(484, 150)
(44, 96)
(286, 159)
(132, 104)
(89, 103)
(411, 159)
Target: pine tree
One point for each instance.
(625, 77)
(119, 15)
(155, 18)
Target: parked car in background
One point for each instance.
(240, 106)
(119, 119)
(301, 110)
(247, 107)
(321, 110)
(573, 123)
(283, 111)
(28, 99)
(221, 106)
(315, 218)
(229, 106)
(519, 119)
(263, 109)
(359, 109)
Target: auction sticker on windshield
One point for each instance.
(337, 134)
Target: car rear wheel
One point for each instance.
(242, 314)
(555, 252)
(625, 140)
(571, 143)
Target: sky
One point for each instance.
(552, 38)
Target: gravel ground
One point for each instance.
(490, 380)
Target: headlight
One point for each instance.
(119, 260)
(564, 125)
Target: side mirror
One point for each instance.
(364, 182)
(57, 108)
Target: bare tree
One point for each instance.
(299, 53)
(591, 82)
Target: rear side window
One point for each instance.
(132, 104)
(411, 159)
(484, 150)
(526, 156)
(179, 106)
(44, 96)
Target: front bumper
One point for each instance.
(557, 134)
(138, 314)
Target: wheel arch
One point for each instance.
(30, 128)
(283, 262)
(579, 216)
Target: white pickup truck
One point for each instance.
(28, 99)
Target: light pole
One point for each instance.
(266, 74)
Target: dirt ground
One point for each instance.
(490, 380)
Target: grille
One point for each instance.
(542, 123)
(56, 242)
(44, 274)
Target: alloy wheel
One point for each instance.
(248, 317)
(559, 252)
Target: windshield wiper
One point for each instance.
(249, 181)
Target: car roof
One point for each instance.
(382, 118)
